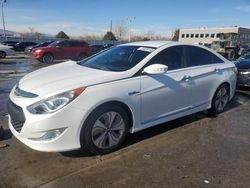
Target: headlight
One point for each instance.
(55, 102)
(38, 50)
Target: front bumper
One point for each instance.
(243, 80)
(35, 126)
(36, 55)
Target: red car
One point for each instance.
(64, 49)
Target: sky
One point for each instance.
(93, 17)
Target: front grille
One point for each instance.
(243, 81)
(16, 115)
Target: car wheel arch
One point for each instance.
(227, 84)
(48, 53)
(112, 102)
(212, 109)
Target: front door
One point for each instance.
(166, 95)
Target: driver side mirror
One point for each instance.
(156, 69)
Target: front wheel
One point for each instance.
(105, 129)
(2, 54)
(48, 58)
(220, 99)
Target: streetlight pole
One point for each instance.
(4, 31)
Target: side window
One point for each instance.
(63, 44)
(196, 56)
(76, 44)
(71, 44)
(172, 57)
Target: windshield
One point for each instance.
(120, 58)
(53, 44)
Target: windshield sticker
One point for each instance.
(146, 49)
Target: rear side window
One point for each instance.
(196, 56)
(172, 57)
(76, 44)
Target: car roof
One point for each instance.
(154, 44)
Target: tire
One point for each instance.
(99, 135)
(48, 58)
(2, 55)
(220, 99)
(231, 54)
(81, 57)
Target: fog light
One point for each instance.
(50, 135)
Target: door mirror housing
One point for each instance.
(156, 69)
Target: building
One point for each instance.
(207, 35)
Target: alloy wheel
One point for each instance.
(47, 58)
(108, 130)
(221, 99)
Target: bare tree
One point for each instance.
(32, 30)
(150, 34)
(121, 30)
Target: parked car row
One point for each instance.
(49, 51)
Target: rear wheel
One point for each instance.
(220, 99)
(231, 54)
(2, 54)
(105, 129)
(48, 58)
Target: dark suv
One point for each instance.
(64, 49)
(20, 47)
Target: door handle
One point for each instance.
(186, 78)
(133, 93)
(217, 70)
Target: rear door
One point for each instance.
(165, 95)
(206, 73)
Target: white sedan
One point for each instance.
(94, 103)
(6, 51)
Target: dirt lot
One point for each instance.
(194, 151)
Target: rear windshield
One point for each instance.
(119, 58)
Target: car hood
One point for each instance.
(243, 64)
(64, 76)
(5, 47)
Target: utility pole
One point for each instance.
(4, 31)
